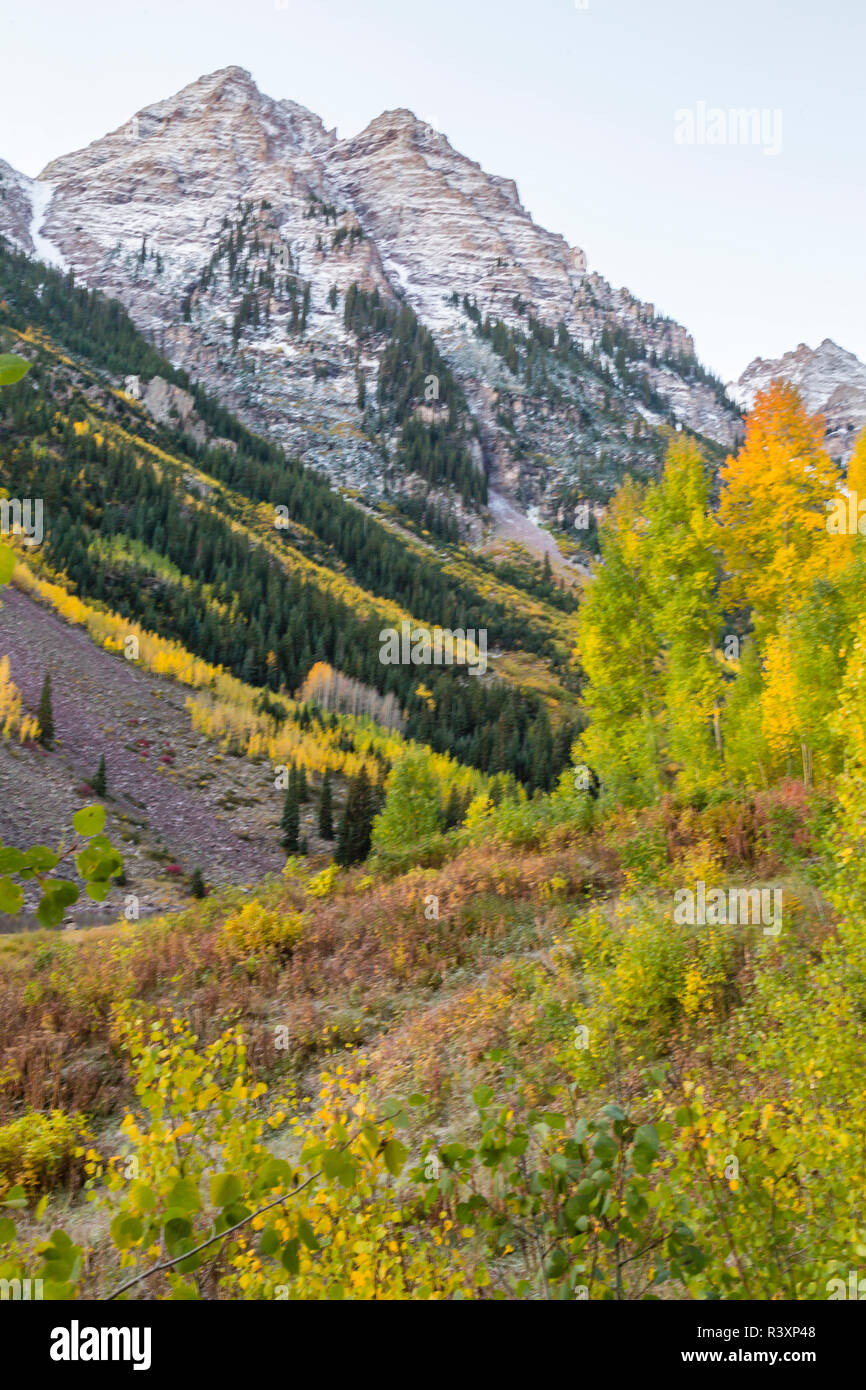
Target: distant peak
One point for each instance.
(399, 122)
(233, 75)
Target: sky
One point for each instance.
(750, 237)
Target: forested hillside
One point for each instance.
(186, 537)
(554, 1007)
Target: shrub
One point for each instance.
(256, 932)
(38, 1151)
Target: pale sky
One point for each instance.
(753, 252)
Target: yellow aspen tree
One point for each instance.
(773, 507)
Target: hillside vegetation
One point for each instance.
(578, 1026)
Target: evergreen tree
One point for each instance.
(326, 810)
(353, 837)
(290, 821)
(454, 812)
(196, 884)
(44, 714)
(98, 782)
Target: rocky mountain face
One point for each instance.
(233, 227)
(829, 379)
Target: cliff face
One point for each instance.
(829, 379)
(231, 226)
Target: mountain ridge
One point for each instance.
(232, 226)
(831, 380)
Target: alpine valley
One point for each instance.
(433, 756)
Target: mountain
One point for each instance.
(829, 379)
(380, 306)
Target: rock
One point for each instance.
(829, 379)
(165, 212)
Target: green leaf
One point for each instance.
(63, 891)
(225, 1188)
(482, 1096)
(307, 1234)
(270, 1241)
(15, 1197)
(604, 1148)
(12, 368)
(7, 1228)
(11, 860)
(40, 858)
(289, 1257)
(89, 820)
(645, 1137)
(636, 1204)
(177, 1232)
(185, 1195)
(183, 1291)
(126, 1230)
(50, 911)
(395, 1155)
(275, 1172)
(11, 896)
(556, 1265)
(142, 1196)
(333, 1164)
(54, 1291)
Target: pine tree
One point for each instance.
(196, 884)
(98, 782)
(326, 810)
(353, 837)
(453, 814)
(303, 790)
(290, 821)
(44, 713)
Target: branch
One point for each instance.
(178, 1259)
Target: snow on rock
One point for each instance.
(830, 380)
(43, 248)
(220, 192)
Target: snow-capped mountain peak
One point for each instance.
(232, 225)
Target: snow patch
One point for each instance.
(45, 250)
